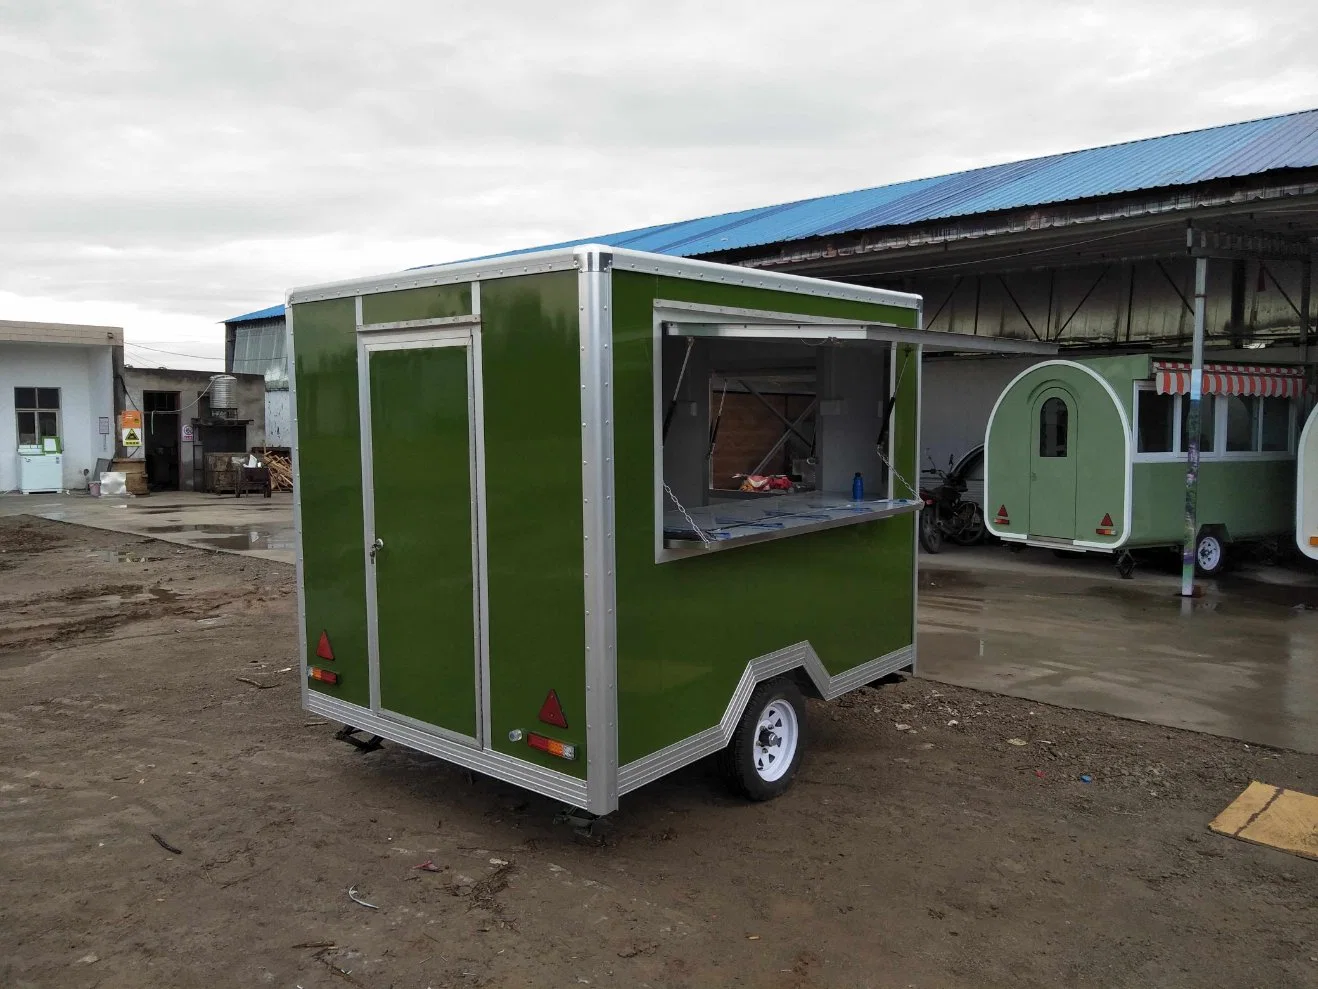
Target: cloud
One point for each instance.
(178, 162)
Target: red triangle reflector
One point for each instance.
(1002, 511)
(551, 711)
(1107, 520)
(323, 649)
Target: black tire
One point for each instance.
(931, 537)
(744, 760)
(1210, 553)
(972, 533)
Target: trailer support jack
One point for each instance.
(349, 734)
(584, 823)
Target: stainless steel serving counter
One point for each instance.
(724, 524)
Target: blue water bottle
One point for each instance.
(857, 488)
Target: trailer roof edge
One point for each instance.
(560, 259)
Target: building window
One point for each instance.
(1275, 424)
(1052, 428)
(1207, 423)
(1230, 425)
(1241, 423)
(38, 414)
(1155, 422)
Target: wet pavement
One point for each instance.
(252, 526)
(1241, 661)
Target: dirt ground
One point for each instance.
(146, 689)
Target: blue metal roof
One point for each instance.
(273, 312)
(1229, 151)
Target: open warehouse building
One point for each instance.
(1085, 253)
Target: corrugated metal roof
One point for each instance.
(1229, 151)
(273, 312)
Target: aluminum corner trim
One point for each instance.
(300, 565)
(535, 778)
(598, 553)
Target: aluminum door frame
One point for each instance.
(459, 331)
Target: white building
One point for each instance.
(57, 382)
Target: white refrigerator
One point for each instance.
(39, 471)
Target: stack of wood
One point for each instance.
(134, 471)
(281, 470)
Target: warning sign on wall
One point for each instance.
(130, 419)
(132, 437)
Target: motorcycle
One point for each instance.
(946, 515)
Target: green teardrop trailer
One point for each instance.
(510, 551)
(1306, 489)
(1090, 455)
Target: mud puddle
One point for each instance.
(238, 538)
(250, 541)
(185, 509)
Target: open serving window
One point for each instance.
(771, 425)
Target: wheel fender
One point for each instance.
(1217, 529)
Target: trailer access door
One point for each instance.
(1053, 451)
(420, 439)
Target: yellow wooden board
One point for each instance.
(1270, 815)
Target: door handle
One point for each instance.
(376, 547)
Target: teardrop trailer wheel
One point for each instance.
(769, 741)
(1210, 554)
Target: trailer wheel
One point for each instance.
(1210, 554)
(768, 743)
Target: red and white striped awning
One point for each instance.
(1173, 378)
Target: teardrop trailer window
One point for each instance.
(1053, 419)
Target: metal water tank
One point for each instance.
(224, 395)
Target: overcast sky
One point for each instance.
(165, 164)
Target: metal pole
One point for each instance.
(1306, 275)
(1192, 429)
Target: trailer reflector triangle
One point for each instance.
(323, 649)
(551, 711)
(1107, 520)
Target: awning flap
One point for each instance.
(1173, 378)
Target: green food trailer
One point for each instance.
(512, 555)
(1090, 456)
(1306, 489)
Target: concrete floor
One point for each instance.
(249, 525)
(1240, 662)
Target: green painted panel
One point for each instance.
(420, 457)
(1122, 373)
(1252, 498)
(1096, 432)
(687, 628)
(532, 378)
(433, 302)
(716, 294)
(330, 491)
